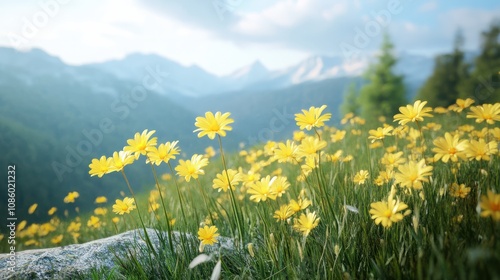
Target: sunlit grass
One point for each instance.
(413, 201)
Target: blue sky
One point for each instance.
(223, 35)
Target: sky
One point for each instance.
(223, 35)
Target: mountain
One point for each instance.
(54, 121)
(192, 81)
(189, 81)
(247, 75)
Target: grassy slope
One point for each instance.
(428, 243)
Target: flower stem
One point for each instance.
(178, 194)
(146, 235)
(169, 228)
(233, 199)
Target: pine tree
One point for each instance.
(385, 92)
(350, 104)
(484, 83)
(442, 88)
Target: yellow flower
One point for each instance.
(57, 239)
(124, 206)
(312, 118)
(21, 225)
(490, 205)
(337, 136)
(462, 104)
(480, 150)
(392, 160)
(380, 133)
(52, 211)
(115, 220)
(306, 222)
(166, 177)
(412, 174)
(387, 212)
(221, 181)
(283, 213)
(120, 160)
(100, 211)
(192, 168)
(74, 227)
(298, 135)
(360, 177)
(70, 198)
(286, 152)
(346, 118)
(263, 189)
(384, 177)
(210, 152)
(449, 147)
(100, 166)
(299, 204)
(280, 185)
(162, 153)
(208, 235)
(415, 113)
(335, 157)
(269, 148)
(94, 222)
(459, 190)
(45, 229)
(140, 143)
(495, 132)
(153, 206)
(101, 199)
(486, 112)
(213, 124)
(310, 146)
(32, 208)
(440, 110)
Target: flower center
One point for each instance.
(495, 207)
(387, 213)
(452, 151)
(214, 127)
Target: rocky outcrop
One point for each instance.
(67, 261)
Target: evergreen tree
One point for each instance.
(385, 92)
(484, 83)
(350, 104)
(442, 88)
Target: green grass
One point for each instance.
(444, 237)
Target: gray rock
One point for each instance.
(63, 262)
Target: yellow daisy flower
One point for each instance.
(208, 235)
(306, 222)
(211, 124)
(192, 168)
(413, 113)
(412, 174)
(312, 118)
(124, 206)
(140, 143)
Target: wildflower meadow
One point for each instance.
(413, 197)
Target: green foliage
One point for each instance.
(450, 71)
(484, 83)
(443, 237)
(45, 132)
(385, 91)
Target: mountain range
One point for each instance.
(192, 81)
(56, 117)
